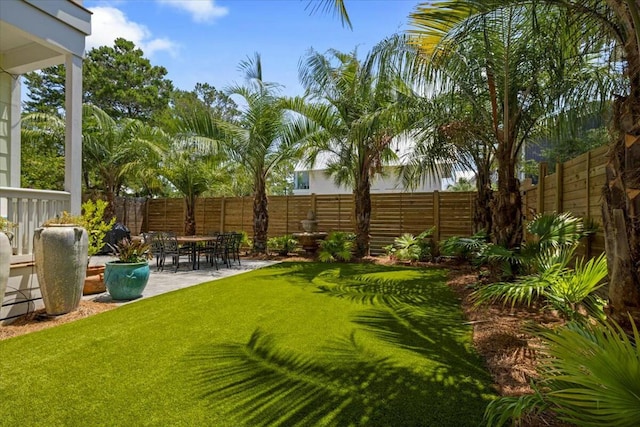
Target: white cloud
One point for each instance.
(109, 23)
(200, 10)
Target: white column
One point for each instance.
(14, 133)
(73, 132)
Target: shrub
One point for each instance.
(282, 245)
(336, 247)
(408, 247)
(93, 222)
(570, 291)
(464, 248)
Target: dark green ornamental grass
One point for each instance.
(293, 344)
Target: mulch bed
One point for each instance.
(499, 333)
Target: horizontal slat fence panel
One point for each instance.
(577, 189)
(392, 214)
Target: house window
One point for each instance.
(301, 180)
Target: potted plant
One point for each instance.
(60, 250)
(5, 254)
(97, 229)
(127, 277)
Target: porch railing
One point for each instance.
(29, 209)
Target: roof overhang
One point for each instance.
(37, 34)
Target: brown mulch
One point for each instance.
(499, 333)
(38, 320)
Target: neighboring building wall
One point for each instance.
(320, 183)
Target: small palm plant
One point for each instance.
(590, 376)
(338, 246)
(547, 255)
(408, 247)
(282, 245)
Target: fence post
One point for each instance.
(286, 224)
(222, 215)
(436, 214)
(559, 186)
(588, 202)
(542, 173)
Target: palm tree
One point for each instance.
(357, 107)
(116, 150)
(515, 75)
(593, 23)
(113, 152)
(263, 137)
(192, 172)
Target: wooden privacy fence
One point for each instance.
(575, 187)
(392, 214)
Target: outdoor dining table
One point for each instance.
(193, 242)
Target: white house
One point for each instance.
(35, 34)
(314, 180)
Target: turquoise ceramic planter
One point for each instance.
(126, 281)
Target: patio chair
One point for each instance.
(234, 246)
(172, 249)
(208, 249)
(155, 240)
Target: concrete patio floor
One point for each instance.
(161, 282)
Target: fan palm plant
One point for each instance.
(554, 239)
(590, 376)
(263, 137)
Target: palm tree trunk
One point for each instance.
(260, 217)
(621, 199)
(363, 216)
(482, 215)
(190, 217)
(507, 203)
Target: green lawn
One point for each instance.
(292, 344)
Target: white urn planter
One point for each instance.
(5, 263)
(61, 257)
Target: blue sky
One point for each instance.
(204, 40)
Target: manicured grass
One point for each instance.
(293, 344)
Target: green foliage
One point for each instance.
(132, 251)
(122, 82)
(93, 221)
(462, 184)
(564, 149)
(64, 218)
(46, 90)
(570, 291)
(464, 248)
(412, 248)
(338, 246)
(282, 245)
(118, 79)
(261, 139)
(245, 240)
(42, 151)
(589, 376)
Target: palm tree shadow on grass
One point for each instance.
(310, 271)
(261, 384)
(413, 310)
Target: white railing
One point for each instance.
(29, 209)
